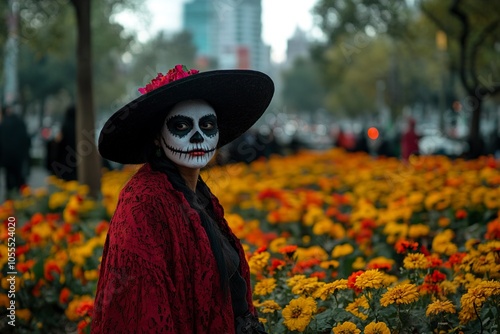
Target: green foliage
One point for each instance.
(303, 90)
(47, 49)
(160, 54)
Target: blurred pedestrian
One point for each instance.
(409, 141)
(15, 144)
(65, 165)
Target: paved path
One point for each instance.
(37, 179)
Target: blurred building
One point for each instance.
(227, 33)
(297, 46)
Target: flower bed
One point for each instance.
(335, 242)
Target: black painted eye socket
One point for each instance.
(208, 124)
(180, 125)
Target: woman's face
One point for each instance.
(190, 134)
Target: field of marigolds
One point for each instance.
(336, 243)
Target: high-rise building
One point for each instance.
(297, 46)
(228, 32)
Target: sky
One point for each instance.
(280, 18)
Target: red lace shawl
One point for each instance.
(158, 273)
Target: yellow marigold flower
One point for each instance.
(329, 289)
(294, 280)
(346, 328)
(313, 252)
(258, 262)
(58, 199)
(277, 244)
(473, 300)
(327, 264)
(492, 199)
(448, 287)
(359, 263)
(4, 300)
(91, 275)
(437, 201)
(337, 231)
(405, 293)
(269, 306)
(3, 259)
(265, 287)
(298, 313)
(312, 215)
(440, 306)
(359, 307)
(471, 244)
(322, 226)
(418, 231)
(24, 314)
(306, 286)
(377, 328)
(442, 243)
(444, 221)
(373, 279)
(415, 261)
(342, 250)
(389, 279)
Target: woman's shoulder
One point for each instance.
(147, 181)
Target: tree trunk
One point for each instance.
(88, 162)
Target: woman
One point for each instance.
(171, 263)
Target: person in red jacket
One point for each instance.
(170, 263)
(409, 141)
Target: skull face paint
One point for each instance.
(190, 134)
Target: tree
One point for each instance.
(302, 88)
(87, 156)
(476, 31)
(50, 33)
(159, 54)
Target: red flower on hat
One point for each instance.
(176, 73)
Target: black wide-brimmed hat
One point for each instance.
(239, 98)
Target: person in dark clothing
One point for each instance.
(14, 147)
(65, 166)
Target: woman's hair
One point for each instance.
(201, 201)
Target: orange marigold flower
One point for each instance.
(454, 260)
(24, 267)
(493, 230)
(461, 214)
(277, 264)
(51, 267)
(434, 261)
(82, 325)
(351, 280)
(430, 288)
(36, 218)
(435, 277)
(402, 246)
(101, 227)
(64, 295)
(288, 249)
(260, 249)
